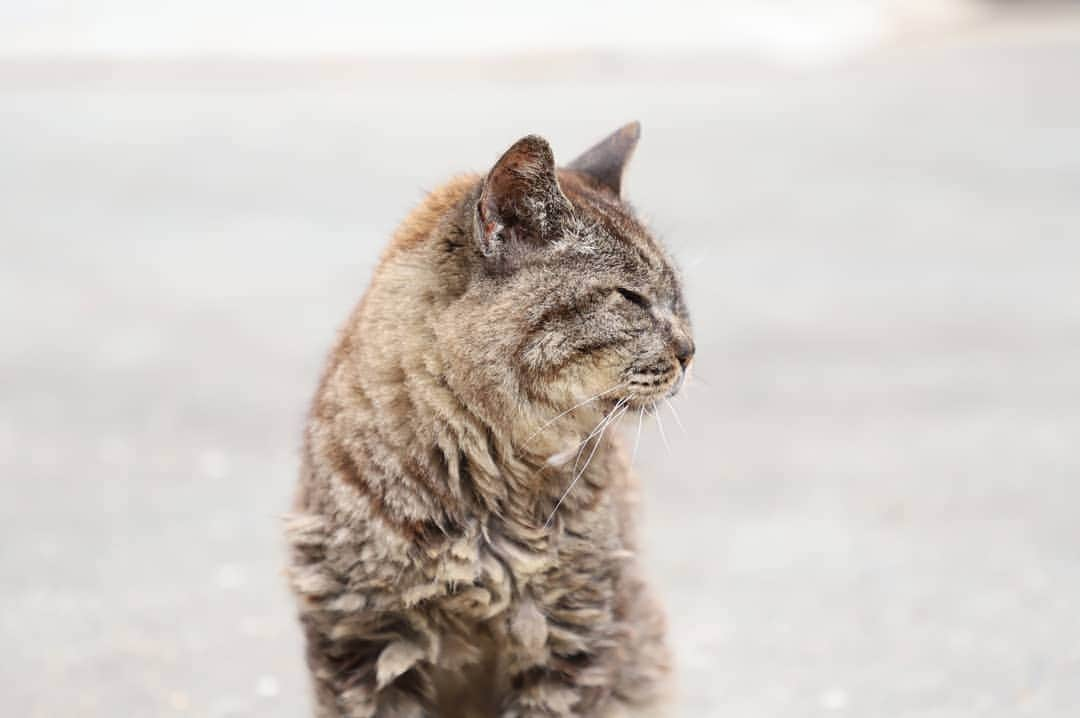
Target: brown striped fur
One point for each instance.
(433, 575)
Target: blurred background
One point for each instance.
(871, 507)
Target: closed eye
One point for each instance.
(633, 297)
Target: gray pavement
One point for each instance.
(872, 509)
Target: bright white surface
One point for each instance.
(796, 31)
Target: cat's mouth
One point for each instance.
(648, 385)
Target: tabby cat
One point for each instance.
(463, 542)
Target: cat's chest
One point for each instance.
(488, 594)
(489, 568)
(478, 575)
(493, 570)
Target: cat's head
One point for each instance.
(569, 291)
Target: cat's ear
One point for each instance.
(606, 160)
(521, 201)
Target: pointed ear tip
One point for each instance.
(533, 142)
(632, 130)
(530, 147)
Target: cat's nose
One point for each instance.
(684, 350)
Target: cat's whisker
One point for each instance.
(580, 404)
(678, 420)
(696, 379)
(600, 427)
(697, 261)
(660, 425)
(563, 457)
(637, 439)
(608, 421)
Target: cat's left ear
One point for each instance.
(605, 161)
(521, 202)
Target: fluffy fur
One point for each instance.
(435, 576)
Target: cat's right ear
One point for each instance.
(605, 161)
(521, 201)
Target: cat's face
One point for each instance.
(578, 295)
(607, 312)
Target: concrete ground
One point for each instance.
(872, 510)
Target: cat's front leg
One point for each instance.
(350, 678)
(550, 693)
(553, 694)
(561, 657)
(596, 650)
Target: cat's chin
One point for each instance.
(649, 401)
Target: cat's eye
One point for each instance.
(633, 297)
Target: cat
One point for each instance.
(462, 542)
